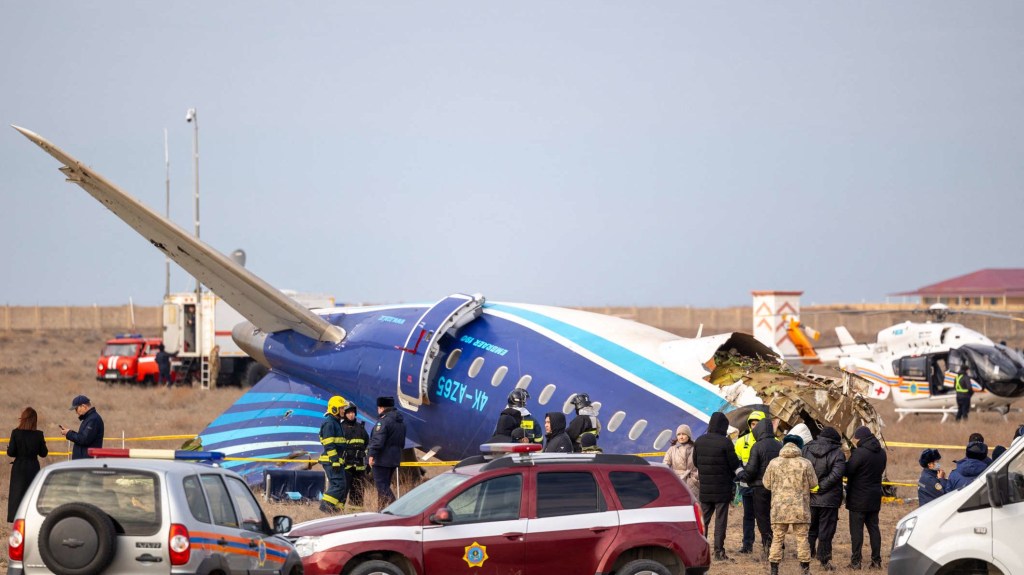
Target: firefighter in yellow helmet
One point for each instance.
(332, 437)
(743, 446)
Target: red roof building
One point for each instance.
(990, 287)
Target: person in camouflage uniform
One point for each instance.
(790, 478)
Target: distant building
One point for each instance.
(991, 287)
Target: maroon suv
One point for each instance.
(521, 514)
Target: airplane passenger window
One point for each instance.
(453, 358)
(616, 420)
(637, 429)
(499, 375)
(567, 406)
(545, 396)
(663, 439)
(524, 382)
(476, 366)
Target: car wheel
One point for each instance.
(643, 567)
(77, 539)
(376, 568)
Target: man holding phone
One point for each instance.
(90, 431)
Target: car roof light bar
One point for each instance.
(499, 448)
(178, 454)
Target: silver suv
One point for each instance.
(114, 515)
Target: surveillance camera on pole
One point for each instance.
(191, 113)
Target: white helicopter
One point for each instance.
(916, 363)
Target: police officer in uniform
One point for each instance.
(332, 437)
(964, 391)
(933, 483)
(355, 454)
(385, 448)
(585, 422)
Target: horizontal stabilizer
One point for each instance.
(259, 302)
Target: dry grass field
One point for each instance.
(47, 369)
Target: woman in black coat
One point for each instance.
(27, 445)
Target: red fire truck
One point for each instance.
(128, 358)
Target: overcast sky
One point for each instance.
(568, 153)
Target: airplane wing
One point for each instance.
(262, 304)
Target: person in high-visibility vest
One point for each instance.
(743, 446)
(964, 391)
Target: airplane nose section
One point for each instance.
(251, 340)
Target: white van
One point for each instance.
(978, 529)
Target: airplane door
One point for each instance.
(419, 354)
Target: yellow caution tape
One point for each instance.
(923, 445)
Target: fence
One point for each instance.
(683, 321)
(101, 318)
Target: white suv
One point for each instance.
(145, 515)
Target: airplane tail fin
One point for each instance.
(845, 338)
(279, 418)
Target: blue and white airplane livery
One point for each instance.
(450, 364)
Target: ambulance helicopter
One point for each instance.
(451, 364)
(917, 361)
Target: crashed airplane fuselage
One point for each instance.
(451, 364)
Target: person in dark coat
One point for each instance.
(585, 422)
(509, 419)
(764, 451)
(556, 440)
(90, 431)
(826, 456)
(26, 446)
(970, 467)
(354, 456)
(385, 450)
(933, 483)
(717, 464)
(864, 472)
(163, 365)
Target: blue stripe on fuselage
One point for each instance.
(668, 381)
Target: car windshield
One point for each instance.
(417, 500)
(119, 349)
